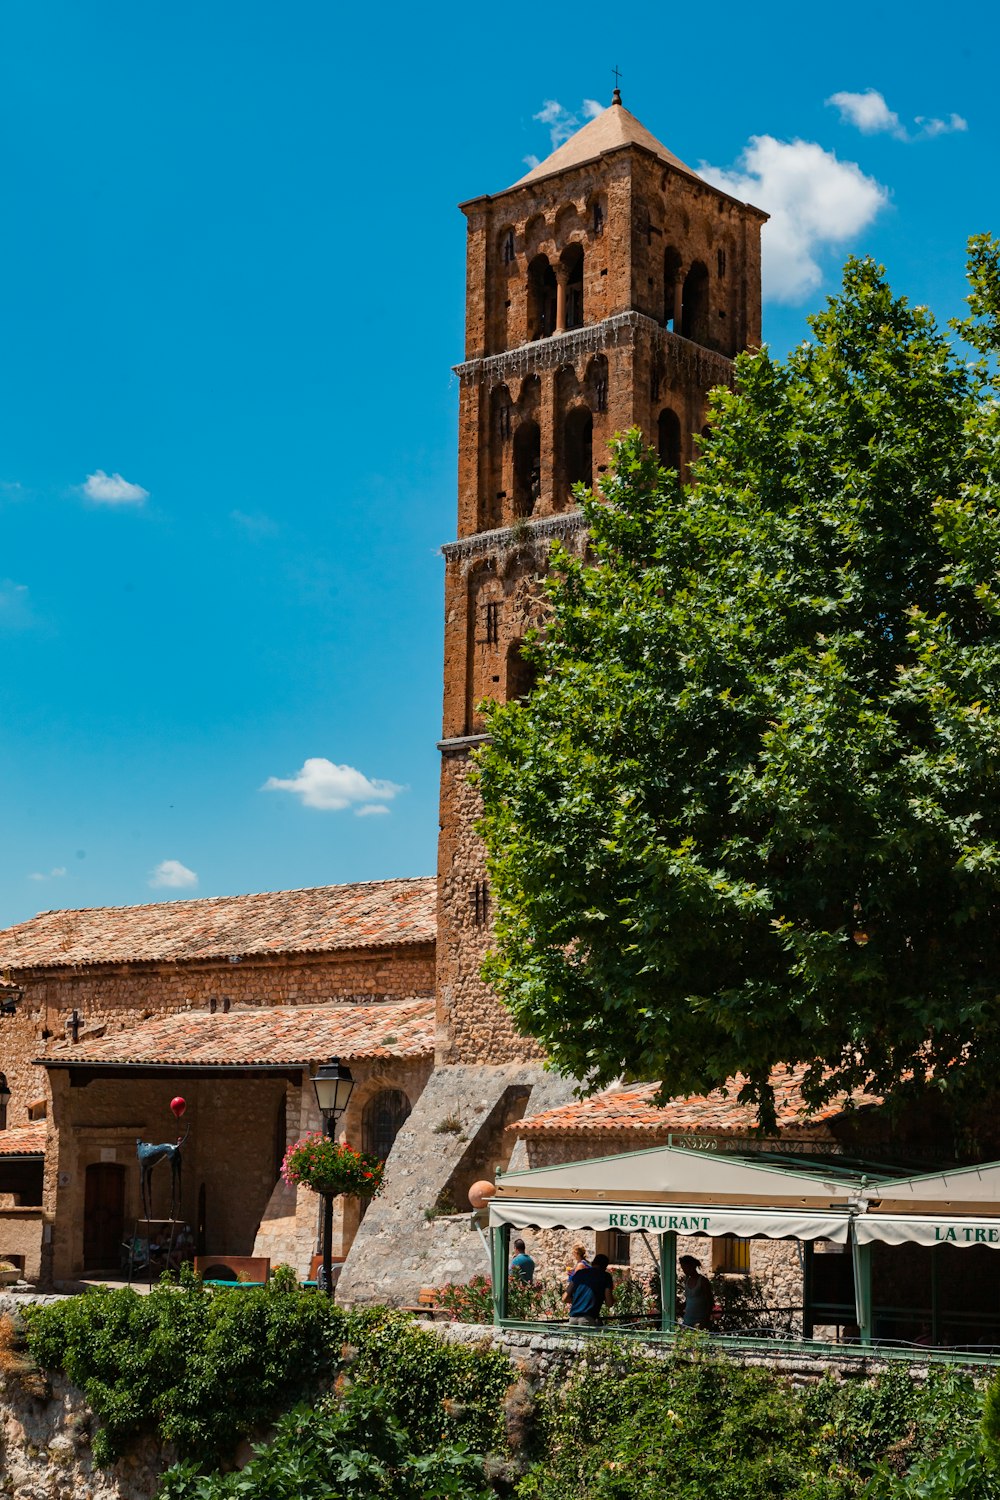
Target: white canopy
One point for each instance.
(631, 1218)
(959, 1207)
(670, 1189)
(963, 1187)
(926, 1229)
(679, 1170)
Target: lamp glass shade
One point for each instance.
(334, 1086)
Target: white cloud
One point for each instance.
(331, 788)
(112, 489)
(55, 874)
(868, 111)
(531, 162)
(563, 122)
(815, 201)
(931, 128)
(369, 809)
(172, 874)
(872, 116)
(15, 607)
(256, 524)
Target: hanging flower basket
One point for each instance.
(328, 1167)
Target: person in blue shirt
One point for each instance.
(589, 1290)
(522, 1266)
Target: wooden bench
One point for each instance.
(233, 1270)
(427, 1305)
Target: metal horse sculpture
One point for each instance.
(148, 1156)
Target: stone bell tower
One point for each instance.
(609, 288)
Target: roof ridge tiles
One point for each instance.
(312, 919)
(188, 901)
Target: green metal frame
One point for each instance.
(862, 1257)
(500, 1258)
(668, 1280)
(723, 1343)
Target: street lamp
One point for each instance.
(333, 1085)
(4, 1100)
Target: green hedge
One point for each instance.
(200, 1366)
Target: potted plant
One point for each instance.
(332, 1167)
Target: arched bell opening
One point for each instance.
(542, 294)
(668, 440)
(671, 289)
(521, 675)
(694, 304)
(527, 468)
(578, 448)
(571, 261)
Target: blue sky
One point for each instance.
(230, 297)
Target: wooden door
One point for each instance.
(103, 1216)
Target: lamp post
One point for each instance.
(333, 1085)
(4, 1100)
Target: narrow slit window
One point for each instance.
(492, 622)
(481, 903)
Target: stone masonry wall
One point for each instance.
(21, 1235)
(116, 998)
(405, 1241)
(472, 1025)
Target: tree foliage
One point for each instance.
(750, 814)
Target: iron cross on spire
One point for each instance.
(616, 97)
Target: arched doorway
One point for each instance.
(103, 1216)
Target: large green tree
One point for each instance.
(751, 813)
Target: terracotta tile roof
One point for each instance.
(631, 1109)
(324, 919)
(287, 1034)
(23, 1140)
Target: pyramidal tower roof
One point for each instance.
(612, 128)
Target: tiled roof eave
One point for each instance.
(177, 1065)
(276, 1040)
(212, 960)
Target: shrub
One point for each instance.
(436, 1391)
(352, 1449)
(690, 1426)
(199, 1366)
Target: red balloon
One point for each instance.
(178, 1106)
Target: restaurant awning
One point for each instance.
(926, 1229)
(673, 1190)
(959, 1207)
(629, 1218)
